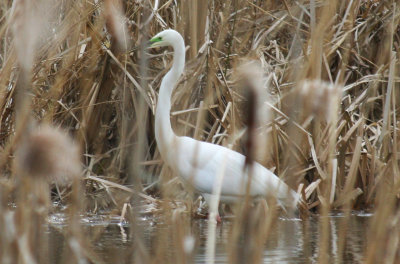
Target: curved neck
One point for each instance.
(163, 130)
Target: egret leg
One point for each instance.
(207, 198)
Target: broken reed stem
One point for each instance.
(346, 196)
(386, 114)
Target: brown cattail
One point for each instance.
(116, 23)
(49, 153)
(28, 20)
(252, 78)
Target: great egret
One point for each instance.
(198, 162)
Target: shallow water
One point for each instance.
(290, 241)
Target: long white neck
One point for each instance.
(163, 131)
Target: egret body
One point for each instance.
(197, 162)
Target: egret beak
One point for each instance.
(149, 44)
(155, 42)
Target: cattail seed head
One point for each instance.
(116, 23)
(319, 98)
(49, 153)
(252, 78)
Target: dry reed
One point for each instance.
(331, 71)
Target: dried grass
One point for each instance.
(85, 68)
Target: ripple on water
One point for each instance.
(289, 241)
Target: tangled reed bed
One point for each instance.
(330, 68)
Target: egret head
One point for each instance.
(165, 38)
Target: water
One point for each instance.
(290, 240)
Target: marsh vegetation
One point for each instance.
(78, 93)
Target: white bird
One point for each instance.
(197, 162)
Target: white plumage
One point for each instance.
(197, 162)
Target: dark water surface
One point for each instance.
(290, 241)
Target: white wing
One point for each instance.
(199, 163)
